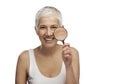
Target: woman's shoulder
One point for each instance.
(24, 54)
(23, 61)
(75, 53)
(23, 58)
(74, 50)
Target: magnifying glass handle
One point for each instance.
(63, 41)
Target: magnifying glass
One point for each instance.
(60, 34)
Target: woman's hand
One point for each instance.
(71, 60)
(67, 55)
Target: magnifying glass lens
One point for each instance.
(60, 34)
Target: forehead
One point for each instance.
(48, 20)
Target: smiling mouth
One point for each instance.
(49, 39)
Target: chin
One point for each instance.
(49, 45)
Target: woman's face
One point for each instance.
(45, 30)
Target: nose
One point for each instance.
(49, 32)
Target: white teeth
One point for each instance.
(48, 39)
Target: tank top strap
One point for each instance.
(31, 56)
(33, 66)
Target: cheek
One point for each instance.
(41, 33)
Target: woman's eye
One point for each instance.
(42, 27)
(54, 27)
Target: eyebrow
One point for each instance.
(42, 25)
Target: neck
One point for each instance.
(48, 51)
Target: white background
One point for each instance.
(93, 27)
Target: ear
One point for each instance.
(36, 30)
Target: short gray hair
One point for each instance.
(47, 11)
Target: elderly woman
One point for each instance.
(49, 63)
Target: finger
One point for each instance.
(66, 51)
(66, 45)
(65, 48)
(67, 55)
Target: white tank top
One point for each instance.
(36, 77)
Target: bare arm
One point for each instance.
(21, 69)
(71, 60)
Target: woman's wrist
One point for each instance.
(69, 67)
